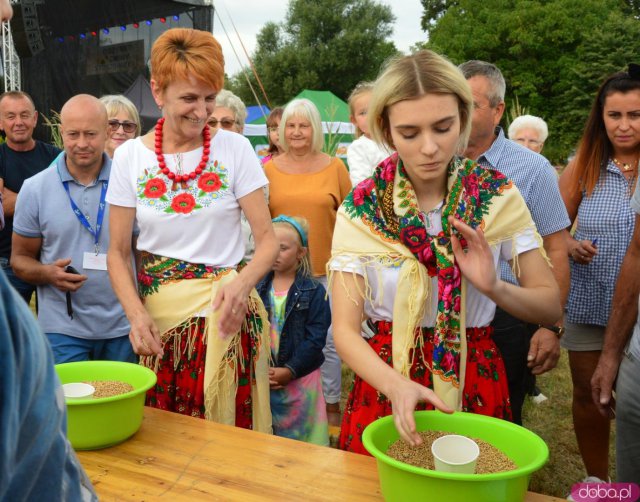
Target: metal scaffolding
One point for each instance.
(10, 60)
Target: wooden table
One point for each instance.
(176, 457)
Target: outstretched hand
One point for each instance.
(404, 399)
(476, 262)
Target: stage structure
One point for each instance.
(10, 60)
(98, 47)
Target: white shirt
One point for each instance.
(199, 224)
(363, 155)
(382, 281)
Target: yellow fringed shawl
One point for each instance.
(175, 304)
(368, 228)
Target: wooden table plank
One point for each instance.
(182, 458)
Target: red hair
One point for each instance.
(181, 53)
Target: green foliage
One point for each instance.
(433, 10)
(53, 124)
(328, 45)
(553, 53)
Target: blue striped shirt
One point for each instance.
(536, 180)
(605, 215)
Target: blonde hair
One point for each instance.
(358, 90)
(181, 53)
(304, 265)
(305, 109)
(116, 103)
(410, 77)
(227, 99)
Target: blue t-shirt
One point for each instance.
(43, 211)
(36, 459)
(536, 180)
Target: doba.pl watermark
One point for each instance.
(605, 492)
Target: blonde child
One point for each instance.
(300, 317)
(364, 154)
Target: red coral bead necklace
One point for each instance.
(182, 178)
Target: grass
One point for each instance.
(552, 421)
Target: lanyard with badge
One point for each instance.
(95, 260)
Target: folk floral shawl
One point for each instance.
(173, 302)
(380, 224)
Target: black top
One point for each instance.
(15, 167)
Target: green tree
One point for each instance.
(434, 10)
(328, 45)
(553, 53)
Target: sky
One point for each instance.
(249, 16)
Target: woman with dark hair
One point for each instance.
(273, 127)
(195, 317)
(596, 188)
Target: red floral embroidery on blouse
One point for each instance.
(183, 203)
(155, 188)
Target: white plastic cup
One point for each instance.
(78, 390)
(453, 453)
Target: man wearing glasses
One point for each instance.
(524, 347)
(21, 156)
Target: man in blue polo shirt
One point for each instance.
(60, 241)
(520, 343)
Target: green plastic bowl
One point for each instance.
(102, 422)
(404, 482)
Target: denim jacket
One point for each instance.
(306, 322)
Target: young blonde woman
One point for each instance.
(415, 253)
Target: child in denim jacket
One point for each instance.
(300, 317)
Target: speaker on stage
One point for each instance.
(25, 28)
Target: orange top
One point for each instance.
(313, 196)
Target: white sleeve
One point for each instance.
(359, 162)
(346, 263)
(122, 188)
(525, 241)
(249, 175)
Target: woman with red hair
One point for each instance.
(195, 316)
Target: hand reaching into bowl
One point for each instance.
(404, 397)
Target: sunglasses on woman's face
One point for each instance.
(127, 126)
(224, 123)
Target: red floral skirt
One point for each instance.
(180, 387)
(485, 389)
